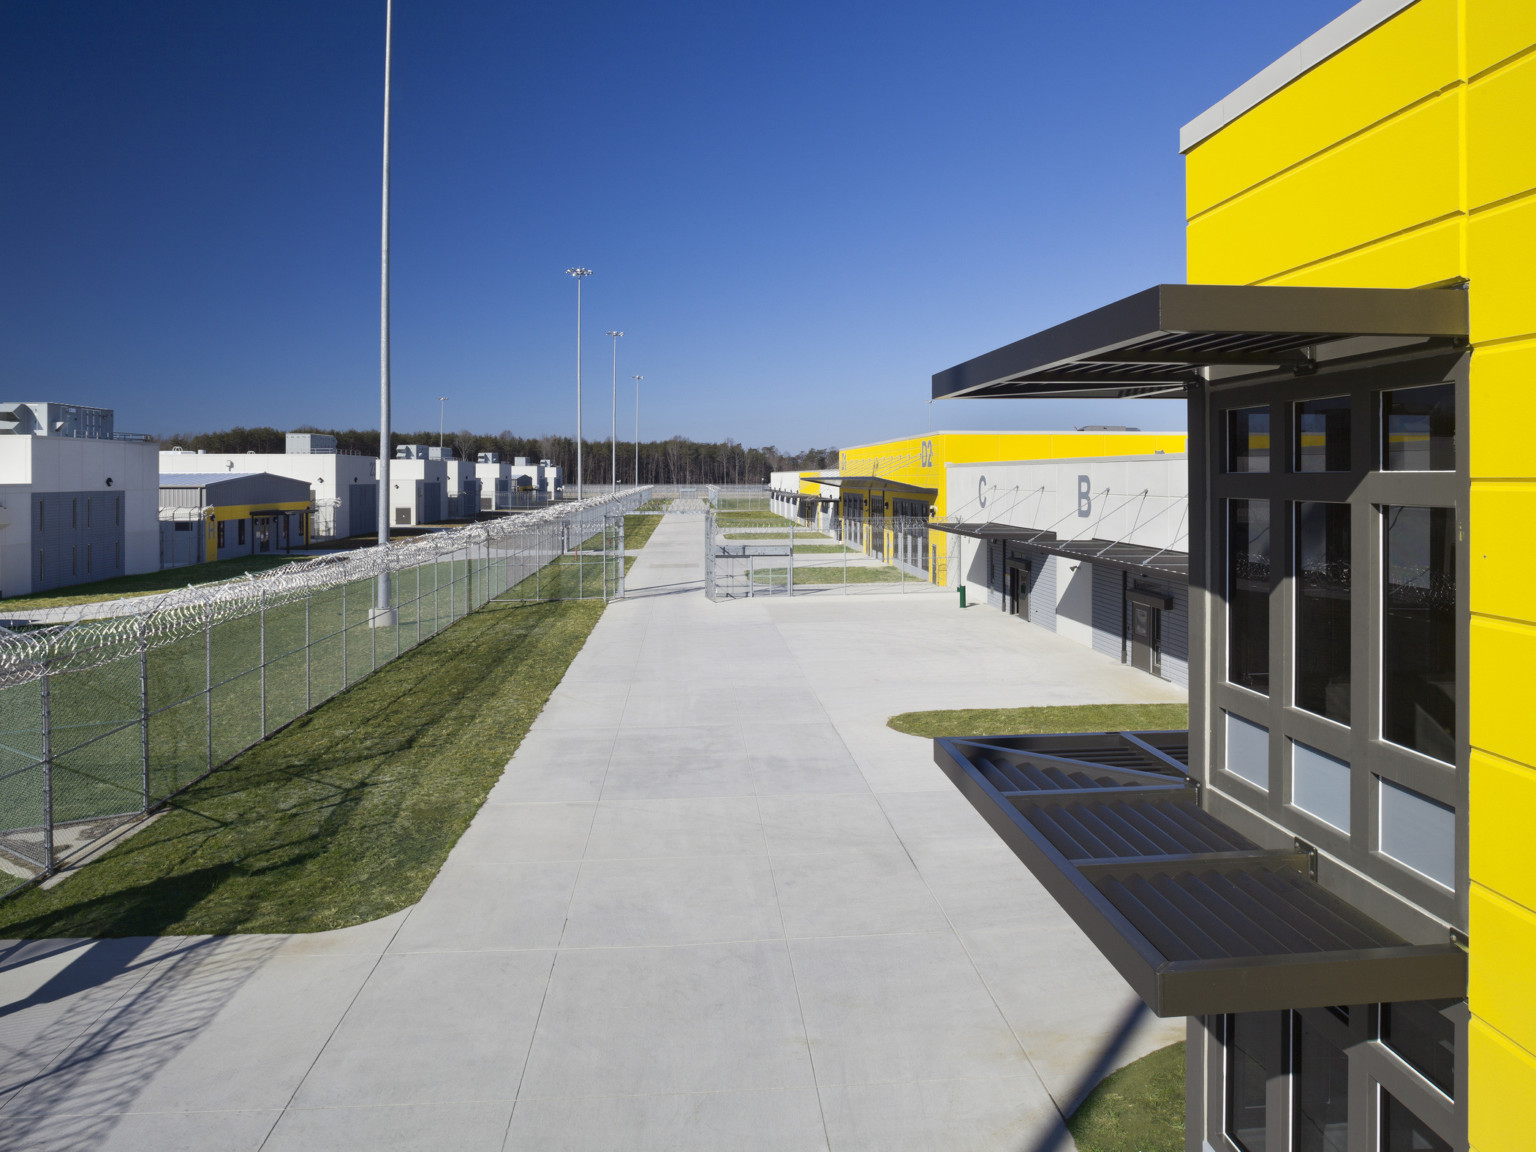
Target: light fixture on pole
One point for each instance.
(442, 406)
(613, 437)
(383, 614)
(580, 274)
(637, 380)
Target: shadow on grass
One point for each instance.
(343, 817)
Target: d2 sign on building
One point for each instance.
(1332, 880)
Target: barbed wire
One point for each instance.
(116, 630)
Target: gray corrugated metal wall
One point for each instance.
(1176, 635)
(1108, 611)
(362, 509)
(76, 537)
(1042, 589)
(995, 573)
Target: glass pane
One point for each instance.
(1246, 1082)
(1418, 1031)
(1248, 594)
(1248, 750)
(1417, 831)
(1248, 440)
(1402, 1131)
(1322, 1093)
(1320, 785)
(1322, 609)
(1418, 429)
(1322, 435)
(1418, 656)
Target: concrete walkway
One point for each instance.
(714, 904)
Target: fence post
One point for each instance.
(344, 680)
(308, 593)
(208, 681)
(144, 707)
(261, 612)
(45, 699)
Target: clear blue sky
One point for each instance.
(798, 211)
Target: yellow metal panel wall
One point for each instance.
(1496, 30)
(1392, 178)
(1501, 1114)
(1502, 381)
(1443, 188)
(1501, 255)
(1503, 796)
(1502, 548)
(1500, 985)
(1411, 57)
(1501, 161)
(1503, 655)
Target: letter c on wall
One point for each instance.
(981, 489)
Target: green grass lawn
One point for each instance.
(1027, 721)
(834, 574)
(814, 549)
(753, 520)
(342, 817)
(1140, 1108)
(638, 529)
(148, 583)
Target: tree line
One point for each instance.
(675, 461)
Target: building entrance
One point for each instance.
(1018, 590)
(1146, 637)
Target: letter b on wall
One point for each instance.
(1084, 499)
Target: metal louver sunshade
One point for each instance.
(1196, 917)
(1161, 340)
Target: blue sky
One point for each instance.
(798, 212)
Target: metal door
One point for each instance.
(1146, 637)
(261, 529)
(1018, 591)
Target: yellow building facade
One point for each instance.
(1407, 159)
(907, 480)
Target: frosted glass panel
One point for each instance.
(1418, 832)
(1320, 785)
(1248, 750)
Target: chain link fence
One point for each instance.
(750, 553)
(104, 718)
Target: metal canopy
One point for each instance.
(1159, 341)
(878, 484)
(1196, 917)
(1162, 562)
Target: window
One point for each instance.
(1418, 429)
(1248, 750)
(1322, 641)
(88, 548)
(40, 516)
(1402, 1131)
(1322, 435)
(74, 512)
(1320, 785)
(1418, 1031)
(1418, 635)
(117, 510)
(221, 535)
(1321, 1073)
(1248, 440)
(40, 570)
(88, 503)
(1417, 831)
(1247, 1080)
(239, 532)
(1248, 594)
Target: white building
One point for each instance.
(788, 497)
(343, 487)
(1094, 549)
(418, 483)
(75, 507)
(543, 478)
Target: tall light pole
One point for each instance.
(580, 274)
(613, 437)
(384, 613)
(442, 407)
(637, 380)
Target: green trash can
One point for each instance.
(962, 595)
